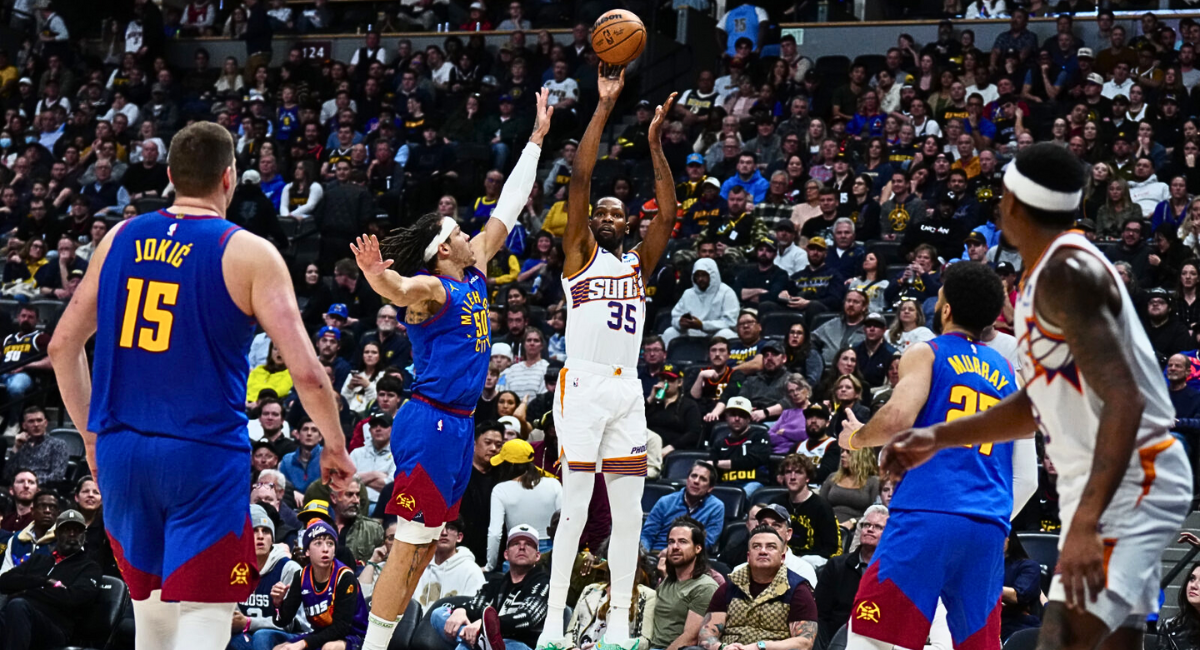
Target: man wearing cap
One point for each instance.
(688, 191)
(763, 282)
(1146, 72)
(741, 456)
(874, 353)
(1122, 160)
(703, 210)
(1167, 334)
(336, 317)
(1120, 83)
(975, 248)
(838, 580)
(818, 288)
(778, 517)
(941, 230)
(329, 347)
(788, 256)
(47, 593)
(509, 610)
(328, 592)
(374, 461)
(256, 614)
(303, 466)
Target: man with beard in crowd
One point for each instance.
(361, 534)
(686, 589)
(1167, 334)
(24, 486)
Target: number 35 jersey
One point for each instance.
(607, 309)
(967, 377)
(171, 344)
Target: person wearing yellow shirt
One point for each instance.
(8, 76)
(273, 374)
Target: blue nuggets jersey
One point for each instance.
(289, 120)
(974, 481)
(171, 344)
(451, 349)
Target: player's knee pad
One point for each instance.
(411, 532)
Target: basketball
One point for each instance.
(618, 37)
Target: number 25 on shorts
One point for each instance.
(157, 294)
(970, 402)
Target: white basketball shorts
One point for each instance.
(600, 417)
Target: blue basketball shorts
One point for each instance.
(433, 462)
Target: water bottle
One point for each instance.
(823, 11)
(661, 393)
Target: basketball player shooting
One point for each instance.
(440, 277)
(599, 411)
(182, 291)
(1094, 389)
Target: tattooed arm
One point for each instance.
(804, 635)
(711, 629)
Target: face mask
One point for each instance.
(29, 139)
(5, 143)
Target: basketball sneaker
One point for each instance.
(490, 637)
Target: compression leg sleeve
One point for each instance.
(622, 555)
(577, 496)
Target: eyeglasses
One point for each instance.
(866, 525)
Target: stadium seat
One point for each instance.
(1043, 549)
(75, 448)
(1023, 640)
(888, 251)
(768, 494)
(402, 637)
(730, 531)
(653, 492)
(96, 627)
(734, 499)
(678, 464)
(427, 638)
(778, 323)
(874, 63)
(895, 270)
(150, 204)
(776, 461)
(833, 69)
(49, 311)
(838, 641)
(688, 348)
(662, 320)
(821, 319)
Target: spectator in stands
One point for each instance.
(33, 450)
(764, 281)
(815, 528)
(789, 430)
(742, 455)
(509, 610)
(695, 501)
(777, 517)
(47, 593)
(671, 414)
(846, 330)
(747, 177)
(97, 545)
(255, 616)
(20, 506)
(818, 288)
(902, 209)
(361, 534)
(909, 327)
(105, 195)
(272, 375)
(765, 390)
(788, 617)
(453, 570)
(711, 382)
(272, 427)
(477, 500)
(303, 466)
(20, 348)
(708, 308)
(522, 493)
(837, 582)
(789, 257)
(1020, 597)
(38, 537)
(853, 487)
(359, 387)
(327, 590)
(374, 461)
(1185, 399)
(686, 589)
(874, 354)
(1167, 334)
(526, 377)
(300, 198)
(149, 178)
(1133, 249)
(52, 277)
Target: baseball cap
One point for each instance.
(785, 224)
(875, 318)
(816, 411)
(515, 451)
(975, 237)
(77, 273)
(1085, 53)
(1005, 268)
(502, 350)
(1120, 98)
(316, 509)
(1169, 98)
(739, 404)
(948, 196)
(505, 98)
(380, 420)
(547, 421)
(158, 88)
(1086, 225)
(337, 333)
(644, 104)
(712, 180)
(260, 519)
(510, 422)
(25, 80)
(1158, 292)
(317, 529)
(477, 5)
(489, 80)
(771, 345)
(523, 531)
(695, 159)
(70, 517)
(1123, 135)
(774, 510)
(263, 443)
(553, 370)
(670, 372)
(251, 177)
(817, 242)
(1095, 78)
(338, 309)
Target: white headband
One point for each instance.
(448, 225)
(1038, 196)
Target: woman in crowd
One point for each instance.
(671, 414)
(543, 243)
(1095, 193)
(359, 387)
(1116, 209)
(231, 76)
(909, 327)
(862, 209)
(789, 430)
(301, 196)
(1182, 631)
(273, 374)
(873, 282)
(1021, 598)
(589, 619)
(794, 166)
(802, 355)
(1187, 308)
(523, 495)
(1166, 256)
(508, 404)
(847, 398)
(448, 207)
(845, 362)
(811, 207)
(547, 289)
(309, 283)
(25, 264)
(853, 487)
(90, 504)
(1174, 210)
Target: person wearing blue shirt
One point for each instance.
(746, 21)
(977, 124)
(303, 466)
(868, 122)
(271, 181)
(696, 501)
(1185, 399)
(748, 177)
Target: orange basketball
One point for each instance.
(618, 37)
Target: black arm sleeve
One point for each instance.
(286, 612)
(345, 606)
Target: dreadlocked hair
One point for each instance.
(406, 246)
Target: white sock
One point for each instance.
(204, 626)
(622, 555)
(157, 623)
(577, 496)
(379, 632)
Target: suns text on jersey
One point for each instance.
(625, 287)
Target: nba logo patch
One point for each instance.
(575, 383)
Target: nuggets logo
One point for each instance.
(406, 501)
(240, 574)
(898, 219)
(867, 611)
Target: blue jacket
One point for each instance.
(757, 186)
(274, 189)
(710, 513)
(301, 477)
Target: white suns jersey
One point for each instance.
(1066, 407)
(606, 303)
